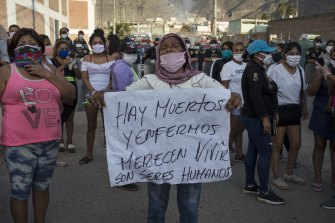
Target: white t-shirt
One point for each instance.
(233, 71)
(289, 85)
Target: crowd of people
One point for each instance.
(269, 90)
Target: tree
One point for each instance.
(265, 16)
(122, 30)
(282, 9)
(291, 10)
(185, 29)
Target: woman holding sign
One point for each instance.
(174, 71)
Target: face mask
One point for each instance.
(11, 34)
(79, 45)
(277, 57)
(293, 61)
(332, 62)
(227, 54)
(98, 48)
(81, 36)
(188, 45)
(130, 58)
(24, 53)
(172, 62)
(64, 36)
(63, 53)
(329, 48)
(196, 47)
(267, 59)
(318, 44)
(238, 57)
(213, 46)
(48, 51)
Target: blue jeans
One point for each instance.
(259, 151)
(188, 198)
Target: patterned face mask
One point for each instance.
(24, 53)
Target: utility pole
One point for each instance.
(101, 14)
(214, 18)
(114, 17)
(297, 9)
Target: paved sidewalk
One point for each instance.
(82, 193)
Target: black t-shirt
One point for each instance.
(70, 75)
(259, 92)
(210, 53)
(217, 67)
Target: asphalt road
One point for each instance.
(82, 193)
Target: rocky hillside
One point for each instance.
(227, 9)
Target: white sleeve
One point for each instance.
(303, 78)
(225, 73)
(141, 84)
(84, 66)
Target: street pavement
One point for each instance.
(82, 193)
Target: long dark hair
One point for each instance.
(114, 44)
(97, 33)
(24, 32)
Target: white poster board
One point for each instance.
(167, 136)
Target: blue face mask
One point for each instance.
(227, 54)
(63, 53)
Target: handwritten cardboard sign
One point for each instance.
(167, 136)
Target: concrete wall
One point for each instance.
(293, 28)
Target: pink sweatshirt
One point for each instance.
(30, 112)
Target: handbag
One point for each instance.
(291, 113)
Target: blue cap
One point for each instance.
(259, 46)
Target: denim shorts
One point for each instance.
(236, 111)
(31, 167)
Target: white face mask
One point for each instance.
(79, 45)
(329, 48)
(64, 36)
(213, 46)
(267, 59)
(238, 57)
(293, 60)
(130, 58)
(318, 44)
(81, 36)
(98, 48)
(332, 62)
(11, 34)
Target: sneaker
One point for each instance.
(251, 189)
(128, 187)
(239, 159)
(280, 184)
(61, 147)
(270, 198)
(294, 179)
(330, 204)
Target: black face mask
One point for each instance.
(277, 57)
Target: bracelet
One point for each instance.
(93, 92)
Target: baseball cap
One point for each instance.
(156, 40)
(259, 46)
(128, 45)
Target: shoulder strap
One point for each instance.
(302, 85)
